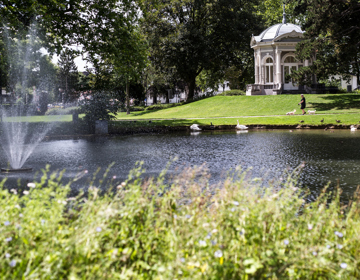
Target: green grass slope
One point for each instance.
(229, 106)
(261, 110)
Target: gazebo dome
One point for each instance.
(277, 30)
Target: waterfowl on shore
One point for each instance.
(353, 127)
(212, 126)
(240, 126)
(195, 127)
(338, 121)
(301, 121)
(322, 120)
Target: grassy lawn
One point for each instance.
(249, 110)
(222, 110)
(50, 118)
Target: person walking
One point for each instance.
(303, 104)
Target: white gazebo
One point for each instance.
(274, 53)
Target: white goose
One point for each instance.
(240, 126)
(195, 127)
(353, 127)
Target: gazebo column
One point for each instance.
(256, 69)
(278, 65)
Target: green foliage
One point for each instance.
(272, 12)
(161, 106)
(62, 111)
(183, 229)
(331, 37)
(100, 105)
(68, 77)
(233, 92)
(192, 36)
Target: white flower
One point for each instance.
(8, 239)
(314, 253)
(13, 191)
(6, 223)
(26, 192)
(232, 209)
(202, 243)
(13, 263)
(310, 227)
(114, 177)
(123, 184)
(187, 216)
(175, 216)
(343, 265)
(235, 203)
(208, 236)
(31, 185)
(213, 242)
(17, 206)
(339, 246)
(98, 229)
(21, 215)
(286, 242)
(42, 221)
(182, 259)
(339, 234)
(7, 255)
(85, 171)
(218, 254)
(328, 246)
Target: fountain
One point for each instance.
(18, 136)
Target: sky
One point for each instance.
(80, 63)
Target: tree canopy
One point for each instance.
(332, 38)
(192, 36)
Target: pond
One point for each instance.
(329, 156)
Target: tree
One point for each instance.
(332, 38)
(192, 36)
(271, 12)
(68, 75)
(116, 45)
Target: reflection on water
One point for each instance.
(333, 157)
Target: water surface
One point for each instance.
(329, 156)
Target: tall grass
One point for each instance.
(182, 228)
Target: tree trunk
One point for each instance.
(1, 100)
(127, 98)
(191, 89)
(155, 98)
(167, 101)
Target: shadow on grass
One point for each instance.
(154, 123)
(338, 102)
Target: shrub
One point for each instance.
(181, 229)
(161, 106)
(62, 111)
(232, 92)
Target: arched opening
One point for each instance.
(269, 70)
(290, 65)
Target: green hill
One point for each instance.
(262, 109)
